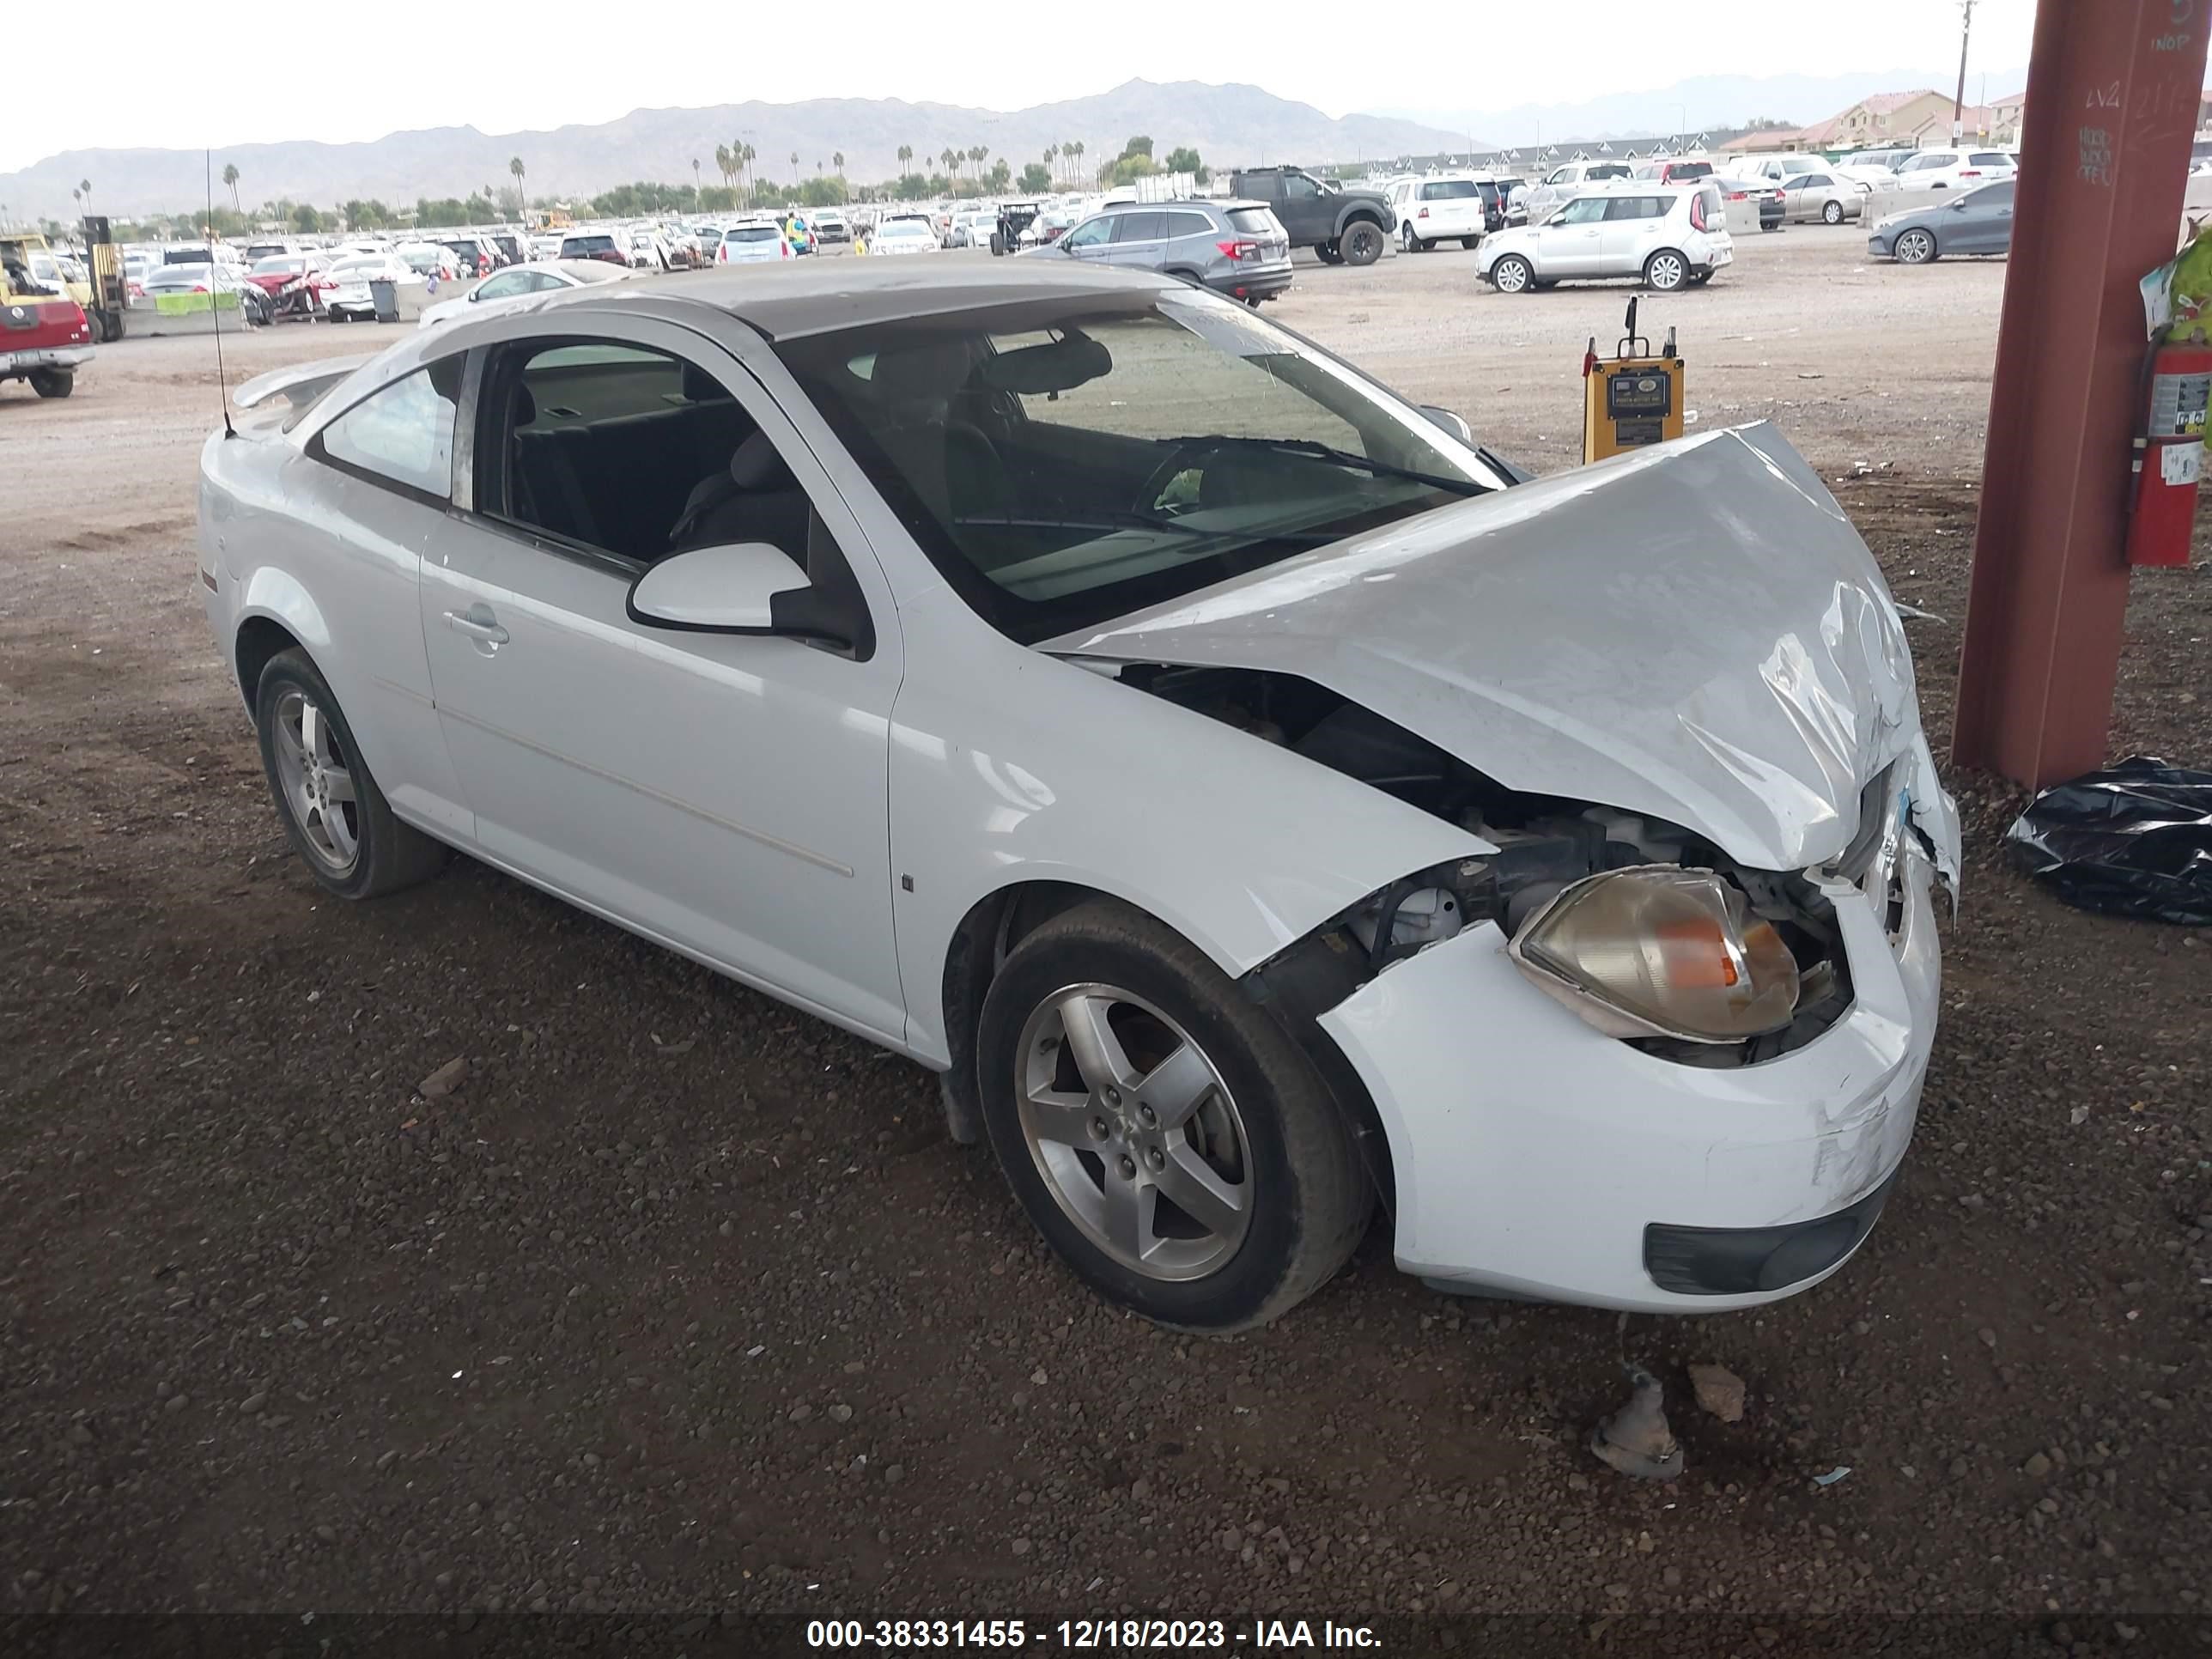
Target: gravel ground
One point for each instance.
(681, 1302)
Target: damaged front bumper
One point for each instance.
(1536, 1157)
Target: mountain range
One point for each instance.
(1713, 103)
(1225, 123)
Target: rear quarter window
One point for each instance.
(1253, 222)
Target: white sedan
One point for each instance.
(521, 283)
(1254, 830)
(903, 236)
(350, 299)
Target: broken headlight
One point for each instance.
(1658, 950)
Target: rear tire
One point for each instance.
(1665, 271)
(1362, 243)
(1699, 278)
(1329, 253)
(53, 382)
(1279, 1198)
(1513, 274)
(1468, 242)
(1832, 213)
(345, 833)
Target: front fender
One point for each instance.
(1009, 766)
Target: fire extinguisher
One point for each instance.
(2169, 453)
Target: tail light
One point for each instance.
(1697, 211)
(1739, 196)
(196, 288)
(1970, 173)
(1239, 250)
(1423, 214)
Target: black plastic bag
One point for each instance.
(2135, 840)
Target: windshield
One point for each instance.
(751, 234)
(1068, 460)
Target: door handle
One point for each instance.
(476, 627)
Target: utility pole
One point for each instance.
(1958, 99)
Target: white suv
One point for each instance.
(1669, 235)
(1437, 209)
(1564, 183)
(1955, 169)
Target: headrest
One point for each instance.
(701, 387)
(524, 406)
(756, 465)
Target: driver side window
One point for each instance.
(627, 450)
(1093, 232)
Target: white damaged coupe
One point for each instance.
(1261, 805)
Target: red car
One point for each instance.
(44, 341)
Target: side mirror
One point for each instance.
(1453, 423)
(718, 590)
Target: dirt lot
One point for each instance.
(683, 1303)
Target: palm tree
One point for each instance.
(230, 178)
(794, 167)
(85, 185)
(722, 164)
(950, 157)
(905, 155)
(745, 153)
(837, 159)
(694, 183)
(1052, 159)
(514, 166)
(1077, 147)
(977, 154)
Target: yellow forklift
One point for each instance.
(111, 289)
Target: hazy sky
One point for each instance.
(345, 73)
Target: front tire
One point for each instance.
(1513, 274)
(338, 820)
(1665, 271)
(1172, 1143)
(1915, 247)
(1832, 213)
(1362, 243)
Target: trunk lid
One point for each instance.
(1694, 630)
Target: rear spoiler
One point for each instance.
(300, 385)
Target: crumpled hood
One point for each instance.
(1692, 630)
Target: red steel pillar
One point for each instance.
(2112, 93)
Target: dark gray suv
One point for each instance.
(1236, 248)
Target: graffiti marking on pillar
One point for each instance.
(2096, 158)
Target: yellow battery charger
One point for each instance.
(1632, 398)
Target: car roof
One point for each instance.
(790, 301)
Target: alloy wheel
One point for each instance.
(1916, 247)
(1832, 213)
(1666, 272)
(1511, 274)
(318, 782)
(1136, 1135)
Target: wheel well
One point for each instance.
(1181, 273)
(259, 640)
(1294, 988)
